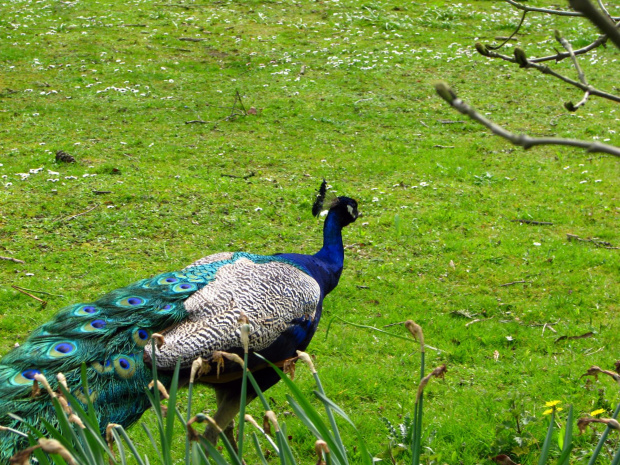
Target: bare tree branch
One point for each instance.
(598, 19)
(446, 93)
(521, 59)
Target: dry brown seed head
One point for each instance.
(304, 357)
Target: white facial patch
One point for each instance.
(350, 208)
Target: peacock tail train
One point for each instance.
(197, 312)
(109, 336)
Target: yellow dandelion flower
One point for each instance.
(548, 412)
(559, 409)
(552, 403)
(597, 412)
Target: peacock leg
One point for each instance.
(227, 401)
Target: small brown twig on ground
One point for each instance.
(37, 292)
(394, 324)
(444, 146)
(192, 39)
(445, 92)
(19, 289)
(69, 218)
(477, 320)
(11, 259)
(514, 282)
(196, 121)
(595, 241)
(238, 177)
(101, 192)
(532, 222)
(570, 338)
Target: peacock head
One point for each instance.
(345, 208)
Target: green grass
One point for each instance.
(363, 114)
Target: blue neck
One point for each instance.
(332, 251)
(325, 266)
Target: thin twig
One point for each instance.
(532, 222)
(69, 218)
(596, 242)
(514, 282)
(394, 324)
(192, 39)
(508, 39)
(101, 192)
(477, 320)
(196, 121)
(582, 77)
(43, 302)
(238, 177)
(521, 6)
(38, 292)
(522, 140)
(570, 338)
(11, 259)
(562, 55)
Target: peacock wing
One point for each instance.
(278, 298)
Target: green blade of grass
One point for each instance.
(259, 450)
(152, 439)
(130, 444)
(213, 452)
(568, 439)
(360, 439)
(121, 448)
(544, 453)
(601, 442)
(328, 410)
(198, 454)
(172, 393)
(242, 402)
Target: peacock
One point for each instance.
(194, 312)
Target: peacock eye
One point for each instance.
(62, 349)
(125, 366)
(24, 378)
(143, 334)
(98, 324)
(184, 287)
(132, 301)
(29, 374)
(167, 307)
(86, 310)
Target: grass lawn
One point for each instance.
(341, 90)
